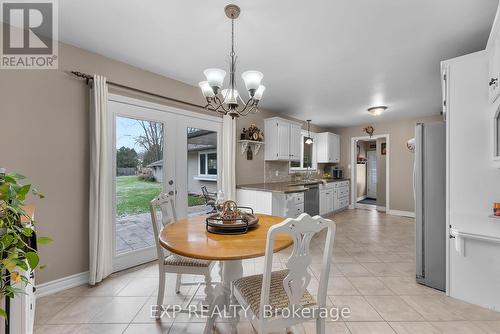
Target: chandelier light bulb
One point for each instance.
(258, 93)
(230, 96)
(215, 76)
(252, 80)
(206, 89)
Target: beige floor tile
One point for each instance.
(360, 309)
(55, 329)
(414, 328)
(393, 308)
(489, 327)
(47, 307)
(370, 286)
(457, 327)
(341, 286)
(144, 314)
(330, 328)
(84, 329)
(370, 328)
(434, 307)
(141, 287)
(185, 328)
(408, 286)
(120, 310)
(81, 310)
(154, 328)
(353, 270)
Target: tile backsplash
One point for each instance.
(282, 167)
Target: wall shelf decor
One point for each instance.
(254, 145)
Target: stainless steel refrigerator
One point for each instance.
(430, 204)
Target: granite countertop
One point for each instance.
(285, 187)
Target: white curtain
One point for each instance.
(228, 158)
(100, 229)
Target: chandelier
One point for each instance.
(228, 101)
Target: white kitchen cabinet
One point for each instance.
(328, 147)
(326, 198)
(282, 139)
(289, 205)
(341, 195)
(295, 141)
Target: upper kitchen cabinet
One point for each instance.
(282, 139)
(328, 147)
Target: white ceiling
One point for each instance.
(327, 60)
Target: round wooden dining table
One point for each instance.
(189, 237)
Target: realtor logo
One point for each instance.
(29, 37)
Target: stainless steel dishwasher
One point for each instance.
(311, 205)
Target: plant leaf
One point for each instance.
(9, 264)
(16, 176)
(33, 259)
(3, 313)
(23, 191)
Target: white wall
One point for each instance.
(473, 183)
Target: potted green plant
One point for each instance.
(17, 258)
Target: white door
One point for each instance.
(371, 174)
(151, 145)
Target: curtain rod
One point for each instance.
(89, 77)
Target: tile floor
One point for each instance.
(373, 274)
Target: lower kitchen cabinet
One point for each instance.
(333, 197)
(288, 205)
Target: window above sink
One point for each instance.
(307, 155)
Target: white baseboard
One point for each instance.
(410, 214)
(381, 208)
(361, 198)
(61, 284)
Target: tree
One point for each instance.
(151, 141)
(126, 158)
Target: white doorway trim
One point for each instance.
(354, 182)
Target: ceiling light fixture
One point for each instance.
(309, 139)
(225, 101)
(376, 111)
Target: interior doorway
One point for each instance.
(370, 172)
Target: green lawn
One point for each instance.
(133, 195)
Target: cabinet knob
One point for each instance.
(493, 81)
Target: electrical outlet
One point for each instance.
(277, 173)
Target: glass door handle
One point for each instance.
(171, 192)
(171, 182)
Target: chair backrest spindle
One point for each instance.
(168, 216)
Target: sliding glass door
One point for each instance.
(155, 150)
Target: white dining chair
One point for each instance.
(270, 297)
(173, 263)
